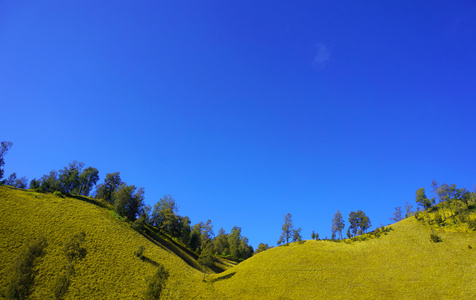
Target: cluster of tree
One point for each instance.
(233, 244)
(128, 201)
(458, 201)
(288, 231)
(72, 179)
(164, 216)
(262, 247)
(359, 223)
(447, 194)
(12, 180)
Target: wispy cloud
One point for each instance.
(321, 56)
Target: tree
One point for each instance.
(207, 233)
(4, 147)
(359, 223)
(408, 209)
(262, 247)
(234, 241)
(397, 214)
(111, 184)
(19, 183)
(286, 230)
(195, 236)
(297, 235)
(337, 224)
(206, 258)
(422, 200)
(364, 223)
(221, 245)
(244, 249)
(164, 216)
(34, 184)
(69, 177)
(185, 230)
(238, 245)
(87, 179)
(50, 183)
(128, 201)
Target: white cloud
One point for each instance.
(321, 56)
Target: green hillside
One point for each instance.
(403, 263)
(110, 270)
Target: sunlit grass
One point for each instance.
(110, 270)
(404, 263)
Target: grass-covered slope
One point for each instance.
(110, 270)
(402, 264)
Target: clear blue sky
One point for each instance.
(246, 111)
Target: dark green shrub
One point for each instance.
(139, 224)
(438, 218)
(470, 247)
(435, 238)
(140, 252)
(22, 272)
(472, 223)
(156, 283)
(58, 194)
(73, 249)
(61, 285)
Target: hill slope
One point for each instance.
(110, 270)
(401, 264)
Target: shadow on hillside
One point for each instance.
(89, 200)
(174, 248)
(150, 261)
(228, 276)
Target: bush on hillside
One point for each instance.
(156, 284)
(140, 252)
(139, 224)
(61, 285)
(22, 272)
(73, 249)
(435, 238)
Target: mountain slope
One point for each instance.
(110, 270)
(402, 264)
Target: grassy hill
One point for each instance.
(400, 264)
(110, 270)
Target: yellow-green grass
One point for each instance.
(403, 264)
(400, 264)
(109, 271)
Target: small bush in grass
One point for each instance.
(22, 273)
(73, 249)
(58, 194)
(156, 283)
(62, 284)
(140, 252)
(470, 247)
(472, 223)
(438, 218)
(435, 238)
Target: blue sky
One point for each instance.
(246, 111)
